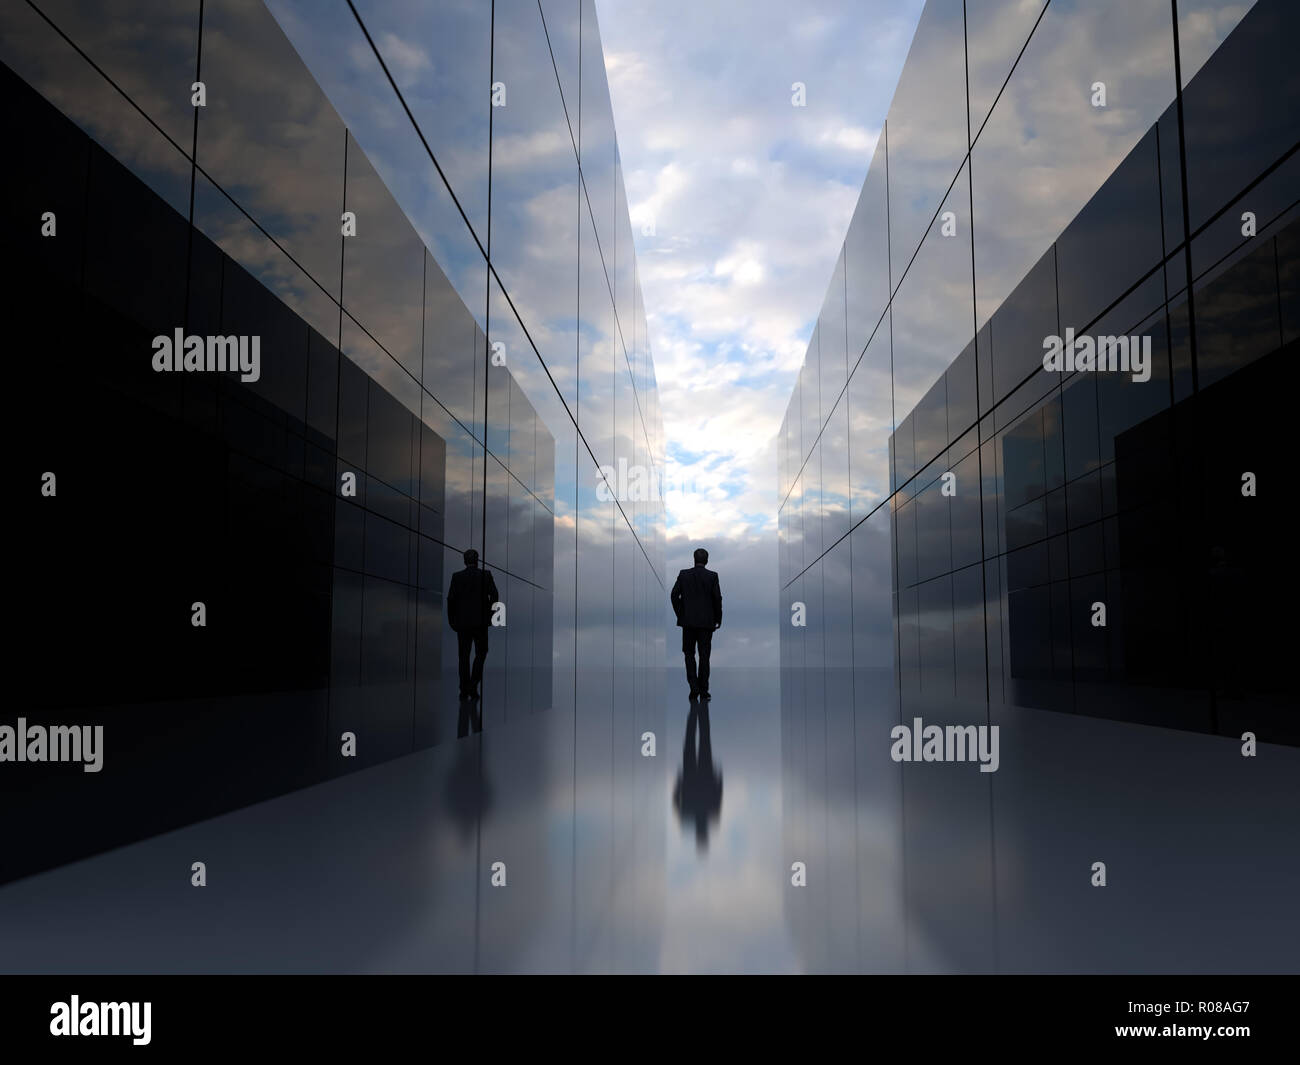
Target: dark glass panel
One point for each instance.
(927, 132)
(383, 267)
(39, 55)
(440, 56)
(870, 427)
(1251, 71)
(931, 312)
(866, 258)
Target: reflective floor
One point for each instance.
(391, 869)
(503, 852)
(723, 910)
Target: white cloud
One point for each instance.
(851, 138)
(750, 199)
(405, 58)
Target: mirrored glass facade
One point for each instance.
(413, 214)
(1090, 559)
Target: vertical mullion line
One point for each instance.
(189, 232)
(487, 319)
(194, 153)
(577, 443)
(506, 571)
(1060, 390)
(821, 576)
(979, 450)
(979, 467)
(338, 401)
(1169, 357)
(1182, 173)
(1164, 273)
(338, 413)
(365, 459)
(805, 580)
(419, 488)
(487, 281)
(853, 690)
(616, 509)
(896, 604)
(1191, 295)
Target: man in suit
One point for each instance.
(697, 602)
(469, 612)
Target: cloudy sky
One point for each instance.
(749, 197)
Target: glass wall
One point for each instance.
(1009, 541)
(429, 258)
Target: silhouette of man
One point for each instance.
(697, 602)
(697, 795)
(469, 612)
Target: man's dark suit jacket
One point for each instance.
(697, 599)
(470, 599)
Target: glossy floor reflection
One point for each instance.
(617, 862)
(390, 868)
(1097, 846)
(723, 911)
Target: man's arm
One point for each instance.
(451, 603)
(675, 597)
(717, 602)
(493, 598)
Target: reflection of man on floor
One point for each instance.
(697, 795)
(469, 718)
(469, 612)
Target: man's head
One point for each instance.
(701, 557)
(471, 557)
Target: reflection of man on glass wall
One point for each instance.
(697, 602)
(470, 599)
